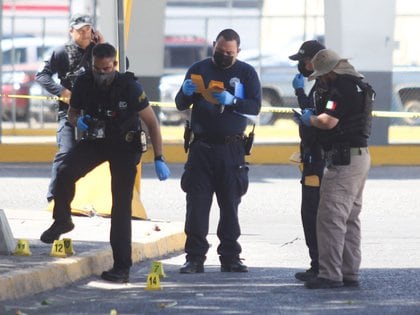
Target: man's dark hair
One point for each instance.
(104, 50)
(229, 34)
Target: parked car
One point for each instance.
(406, 93)
(276, 79)
(26, 49)
(169, 87)
(17, 81)
(22, 57)
(42, 110)
(181, 51)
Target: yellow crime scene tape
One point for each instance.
(36, 97)
(289, 110)
(264, 109)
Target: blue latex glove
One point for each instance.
(81, 123)
(298, 82)
(162, 170)
(224, 98)
(306, 116)
(188, 87)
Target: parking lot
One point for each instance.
(273, 248)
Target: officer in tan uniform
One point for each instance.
(343, 121)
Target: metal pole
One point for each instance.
(305, 20)
(121, 39)
(1, 70)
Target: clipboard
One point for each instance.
(214, 86)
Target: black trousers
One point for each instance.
(214, 169)
(309, 206)
(83, 158)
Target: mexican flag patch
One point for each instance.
(331, 105)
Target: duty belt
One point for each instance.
(353, 151)
(358, 150)
(218, 140)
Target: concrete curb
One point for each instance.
(20, 283)
(174, 153)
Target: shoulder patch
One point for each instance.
(142, 97)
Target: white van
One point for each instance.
(22, 57)
(27, 49)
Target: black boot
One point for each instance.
(323, 283)
(306, 275)
(55, 230)
(116, 275)
(192, 267)
(235, 265)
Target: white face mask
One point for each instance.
(103, 80)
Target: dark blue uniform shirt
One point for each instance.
(206, 118)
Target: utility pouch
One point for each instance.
(187, 135)
(137, 139)
(340, 154)
(96, 129)
(249, 141)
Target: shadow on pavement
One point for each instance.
(261, 291)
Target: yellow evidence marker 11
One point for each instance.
(22, 248)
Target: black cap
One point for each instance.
(77, 21)
(307, 50)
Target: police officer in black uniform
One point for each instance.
(112, 104)
(221, 91)
(67, 62)
(311, 155)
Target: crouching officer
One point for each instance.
(216, 159)
(343, 123)
(112, 104)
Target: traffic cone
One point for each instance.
(91, 199)
(22, 248)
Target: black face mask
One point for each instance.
(103, 80)
(302, 69)
(222, 61)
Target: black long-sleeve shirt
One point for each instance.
(65, 59)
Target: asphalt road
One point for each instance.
(273, 248)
